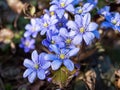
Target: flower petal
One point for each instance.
(32, 77)
(63, 32)
(78, 20)
(77, 39)
(27, 34)
(53, 7)
(92, 26)
(69, 64)
(34, 56)
(72, 25)
(70, 8)
(27, 72)
(56, 64)
(68, 1)
(33, 21)
(41, 74)
(88, 36)
(46, 65)
(55, 49)
(86, 19)
(50, 57)
(60, 12)
(28, 63)
(73, 52)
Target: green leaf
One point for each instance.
(62, 77)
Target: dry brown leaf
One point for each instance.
(90, 79)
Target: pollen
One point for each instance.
(52, 13)
(80, 10)
(62, 4)
(27, 43)
(82, 30)
(53, 42)
(33, 29)
(45, 24)
(36, 66)
(114, 21)
(68, 41)
(62, 56)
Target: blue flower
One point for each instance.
(61, 56)
(84, 29)
(27, 44)
(36, 67)
(33, 28)
(84, 9)
(62, 22)
(66, 37)
(60, 6)
(47, 23)
(76, 2)
(112, 21)
(94, 2)
(104, 11)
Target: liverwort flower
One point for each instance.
(84, 9)
(33, 28)
(47, 23)
(60, 6)
(37, 67)
(62, 22)
(27, 44)
(84, 29)
(112, 21)
(67, 37)
(94, 2)
(104, 11)
(61, 56)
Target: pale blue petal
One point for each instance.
(56, 64)
(55, 49)
(27, 34)
(77, 39)
(63, 32)
(92, 26)
(69, 64)
(86, 19)
(46, 65)
(53, 7)
(88, 36)
(27, 72)
(73, 52)
(41, 74)
(78, 20)
(28, 63)
(34, 56)
(50, 57)
(87, 7)
(32, 77)
(68, 1)
(72, 25)
(28, 27)
(70, 8)
(33, 21)
(60, 12)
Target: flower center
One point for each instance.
(36, 66)
(33, 29)
(62, 4)
(27, 43)
(114, 21)
(52, 13)
(68, 41)
(45, 24)
(53, 42)
(80, 10)
(82, 30)
(62, 56)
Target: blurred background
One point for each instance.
(15, 14)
